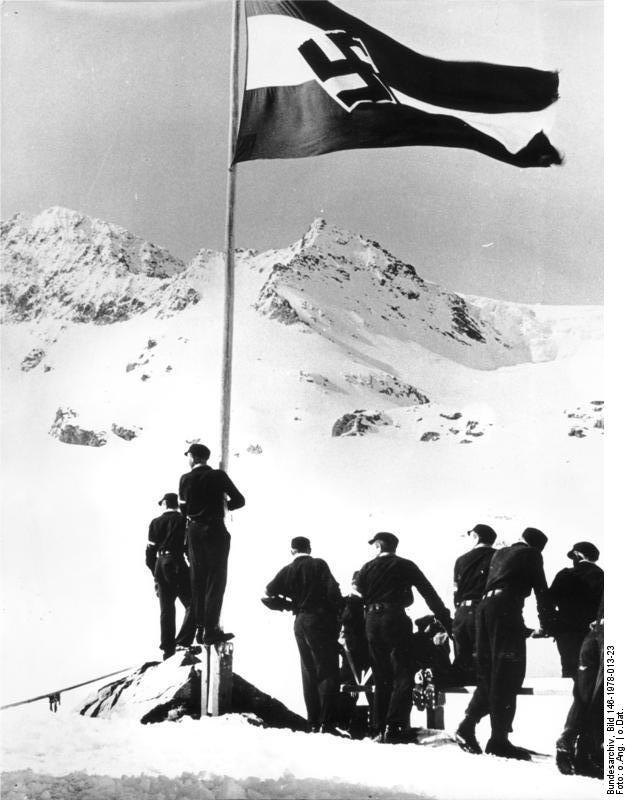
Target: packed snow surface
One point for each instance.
(63, 743)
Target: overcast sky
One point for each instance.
(120, 110)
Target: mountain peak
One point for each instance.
(64, 264)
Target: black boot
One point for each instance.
(465, 737)
(395, 734)
(216, 636)
(505, 749)
(332, 730)
(565, 758)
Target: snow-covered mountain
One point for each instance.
(364, 398)
(345, 287)
(65, 265)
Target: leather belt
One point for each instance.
(492, 593)
(378, 608)
(468, 602)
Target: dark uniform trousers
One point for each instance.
(171, 576)
(501, 661)
(569, 644)
(208, 545)
(464, 637)
(316, 636)
(389, 639)
(586, 715)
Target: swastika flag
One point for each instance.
(320, 80)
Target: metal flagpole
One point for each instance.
(229, 283)
(216, 662)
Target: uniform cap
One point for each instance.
(385, 537)
(199, 451)
(535, 538)
(587, 549)
(300, 544)
(485, 533)
(170, 499)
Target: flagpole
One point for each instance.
(229, 282)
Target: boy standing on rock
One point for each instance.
(204, 494)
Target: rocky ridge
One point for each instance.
(349, 288)
(65, 265)
(345, 287)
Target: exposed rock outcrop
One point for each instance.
(390, 386)
(159, 691)
(33, 359)
(360, 422)
(586, 419)
(67, 430)
(127, 433)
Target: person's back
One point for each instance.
(204, 494)
(470, 577)
(470, 573)
(167, 532)
(577, 591)
(514, 572)
(309, 583)
(202, 491)
(385, 584)
(389, 579)
(316, 603)
(165, 560)
(517, 568)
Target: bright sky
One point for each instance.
(120, 110)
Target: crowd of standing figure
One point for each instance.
(365, 643)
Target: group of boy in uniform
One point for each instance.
(487, 628)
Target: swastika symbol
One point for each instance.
(345, 70)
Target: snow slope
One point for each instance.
(327, 326)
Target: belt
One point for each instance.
(378, 608)
(492, 593)
(468, 602)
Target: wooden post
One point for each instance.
(205, 671)
(229, 284)
(220, 688)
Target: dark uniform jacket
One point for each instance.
(470, 573)
(577, 591)
(389, 578)
(166, 532)
(201, 494)
(518, 569)
(309, 583)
